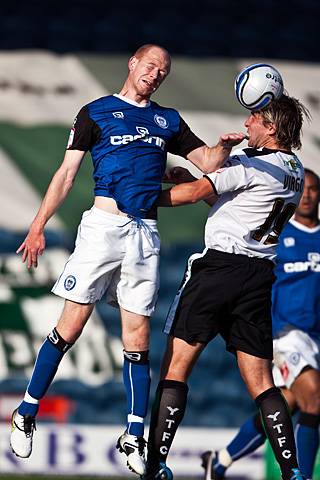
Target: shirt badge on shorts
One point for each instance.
(70, 282)
(294, 358)
(161, 121)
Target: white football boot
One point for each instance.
(134, 448)
(22, 428)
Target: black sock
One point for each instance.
(258, 424)
(277, 422)
(167, 412)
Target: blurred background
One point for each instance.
(55, 57)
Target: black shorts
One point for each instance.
(227, 294)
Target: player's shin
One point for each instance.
(277, 422)
(136, 377)
(250, 436)
(167, 413)
(47, 362)
(307, 441)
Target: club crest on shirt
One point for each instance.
(289, 242)
(161, 121)
(292, 164)
(118, 114)
(70, 282)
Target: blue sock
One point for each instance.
(307, 441)
(250, 436)
(136, 378)
(47, 362)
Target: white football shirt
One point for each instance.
(258, 193)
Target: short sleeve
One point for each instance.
(85, 133)
(185, 141)
(234, 175)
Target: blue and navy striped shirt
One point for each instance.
(129, 145)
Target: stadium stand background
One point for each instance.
(229, 28)
(54, 57)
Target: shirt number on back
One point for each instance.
(276, 220)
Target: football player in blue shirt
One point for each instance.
(296, 331)
(117, 247)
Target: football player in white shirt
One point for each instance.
(227, 288)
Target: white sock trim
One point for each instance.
(224, 458)
(27, 398)
(134, 418)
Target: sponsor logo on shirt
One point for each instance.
(118, 114)
(143, 134)
(292, 183)
(161, 121)
(313, 264)
(143, 131)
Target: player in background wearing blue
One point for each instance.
(117, 247)
(296, 331)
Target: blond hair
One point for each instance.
(287, 114)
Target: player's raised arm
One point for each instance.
(58, 189)
(209, 159)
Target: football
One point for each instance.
(257, 85)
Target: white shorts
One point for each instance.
(115, 254)
(291, 354)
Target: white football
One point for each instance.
(257, 85)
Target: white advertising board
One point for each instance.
(87, 449)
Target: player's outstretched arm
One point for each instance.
(186, 193)
(179, 175)
(210, 159)
(59, 187)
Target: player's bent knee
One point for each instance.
(309, 399)
(311, 405)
